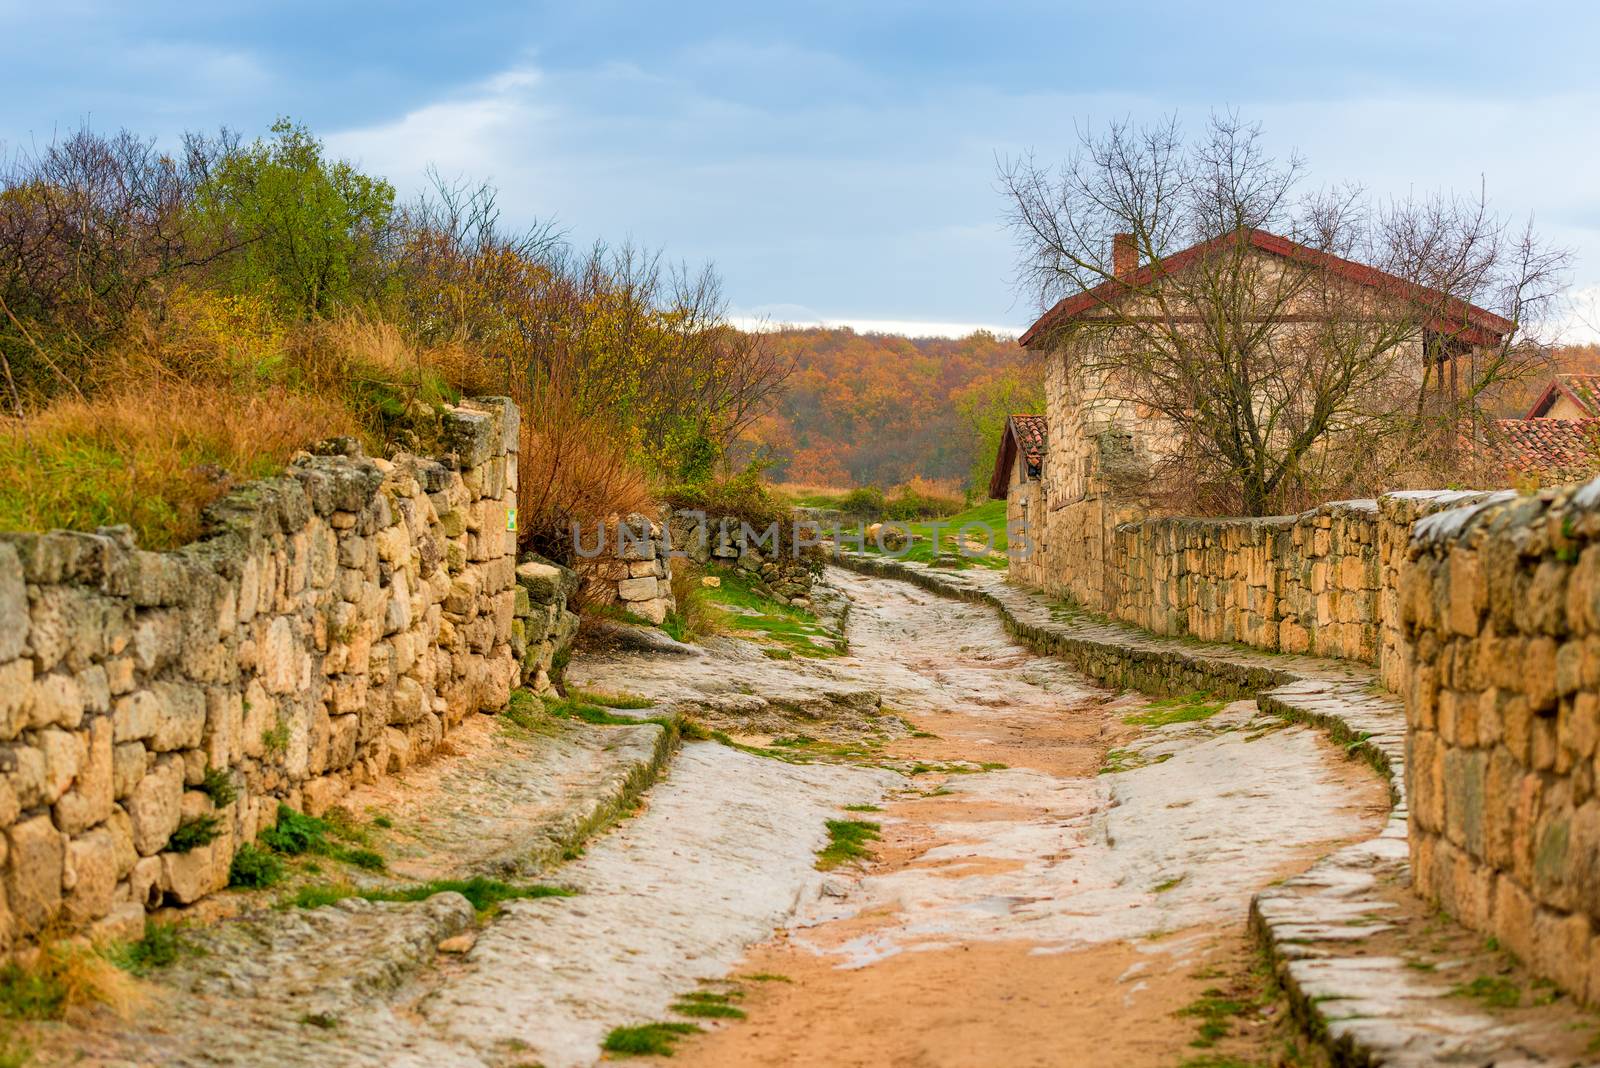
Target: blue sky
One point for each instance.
(837, 160)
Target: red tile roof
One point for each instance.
(1583, 390)
(1024, 435)
(1557, 449)
(1458, 319)
(1030, 440)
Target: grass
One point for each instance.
(163, 945)
(151, 456)
(336, 837)
(1215, 1009)
(1185, 708)
(613, 700)
(925, 550)
(1168, 884)
(652, 1039)
(486, 895)
(847, 841)
(1493, 991)
(784, 627)
(64, 976)
(254, 868)
(863, 808)
(707, 1005)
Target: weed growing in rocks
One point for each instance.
(1493, 991)
(863, 808)
(275, 739)
(326, 1021)
(163, 944)
(847, 841)
(486, 895)
(295, 834)
(254, 868)
(193, 834)
(218, 785)
(654, 1039)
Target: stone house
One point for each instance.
(1568, 396)
(1018, 468)
(1101, 448)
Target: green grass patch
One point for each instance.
(766, 977)
(925, 550)
(296, 834)
(1215, 1010)
(31, 994)
(787, 628)
(1168, 884)
(847, 841)
(254, 868)
(1186, 708)
(1493, 991)
(485, 894)
(645, 1040)
(163, 944)
(863, 808)
(705, 1004)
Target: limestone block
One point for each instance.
(155, 805)
(637, 589)
(322, 793)
(189, 876)
(90, 875)
(35, 857)
(64, 756)
(14, 621)
(655, 610)
(181, 721)
(89, 800)
(16, 693)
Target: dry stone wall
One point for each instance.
(1500, 607)
(331, 628)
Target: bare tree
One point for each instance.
(1263, 321)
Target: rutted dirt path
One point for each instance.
(1040, 913)
(1051, 886)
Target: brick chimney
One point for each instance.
(1124, 256)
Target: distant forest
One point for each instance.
(880, 409)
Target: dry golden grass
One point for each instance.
(152, 456)
(696, 616)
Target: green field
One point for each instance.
(990, 513)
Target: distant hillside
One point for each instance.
(878, 409)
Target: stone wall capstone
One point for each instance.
(331, 627)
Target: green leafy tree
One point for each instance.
(313, 231)
(984, 407)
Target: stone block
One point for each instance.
(35, 857)
(637, 589)
(155, 805)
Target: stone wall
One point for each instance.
(633, 567)
(330, 628)
(1500, 607)
(722, 540)
(1306, 583)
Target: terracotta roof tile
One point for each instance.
(1558, 449)
(1030, 430)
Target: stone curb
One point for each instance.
(1364, 1010)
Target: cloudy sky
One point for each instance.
(836, 160)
